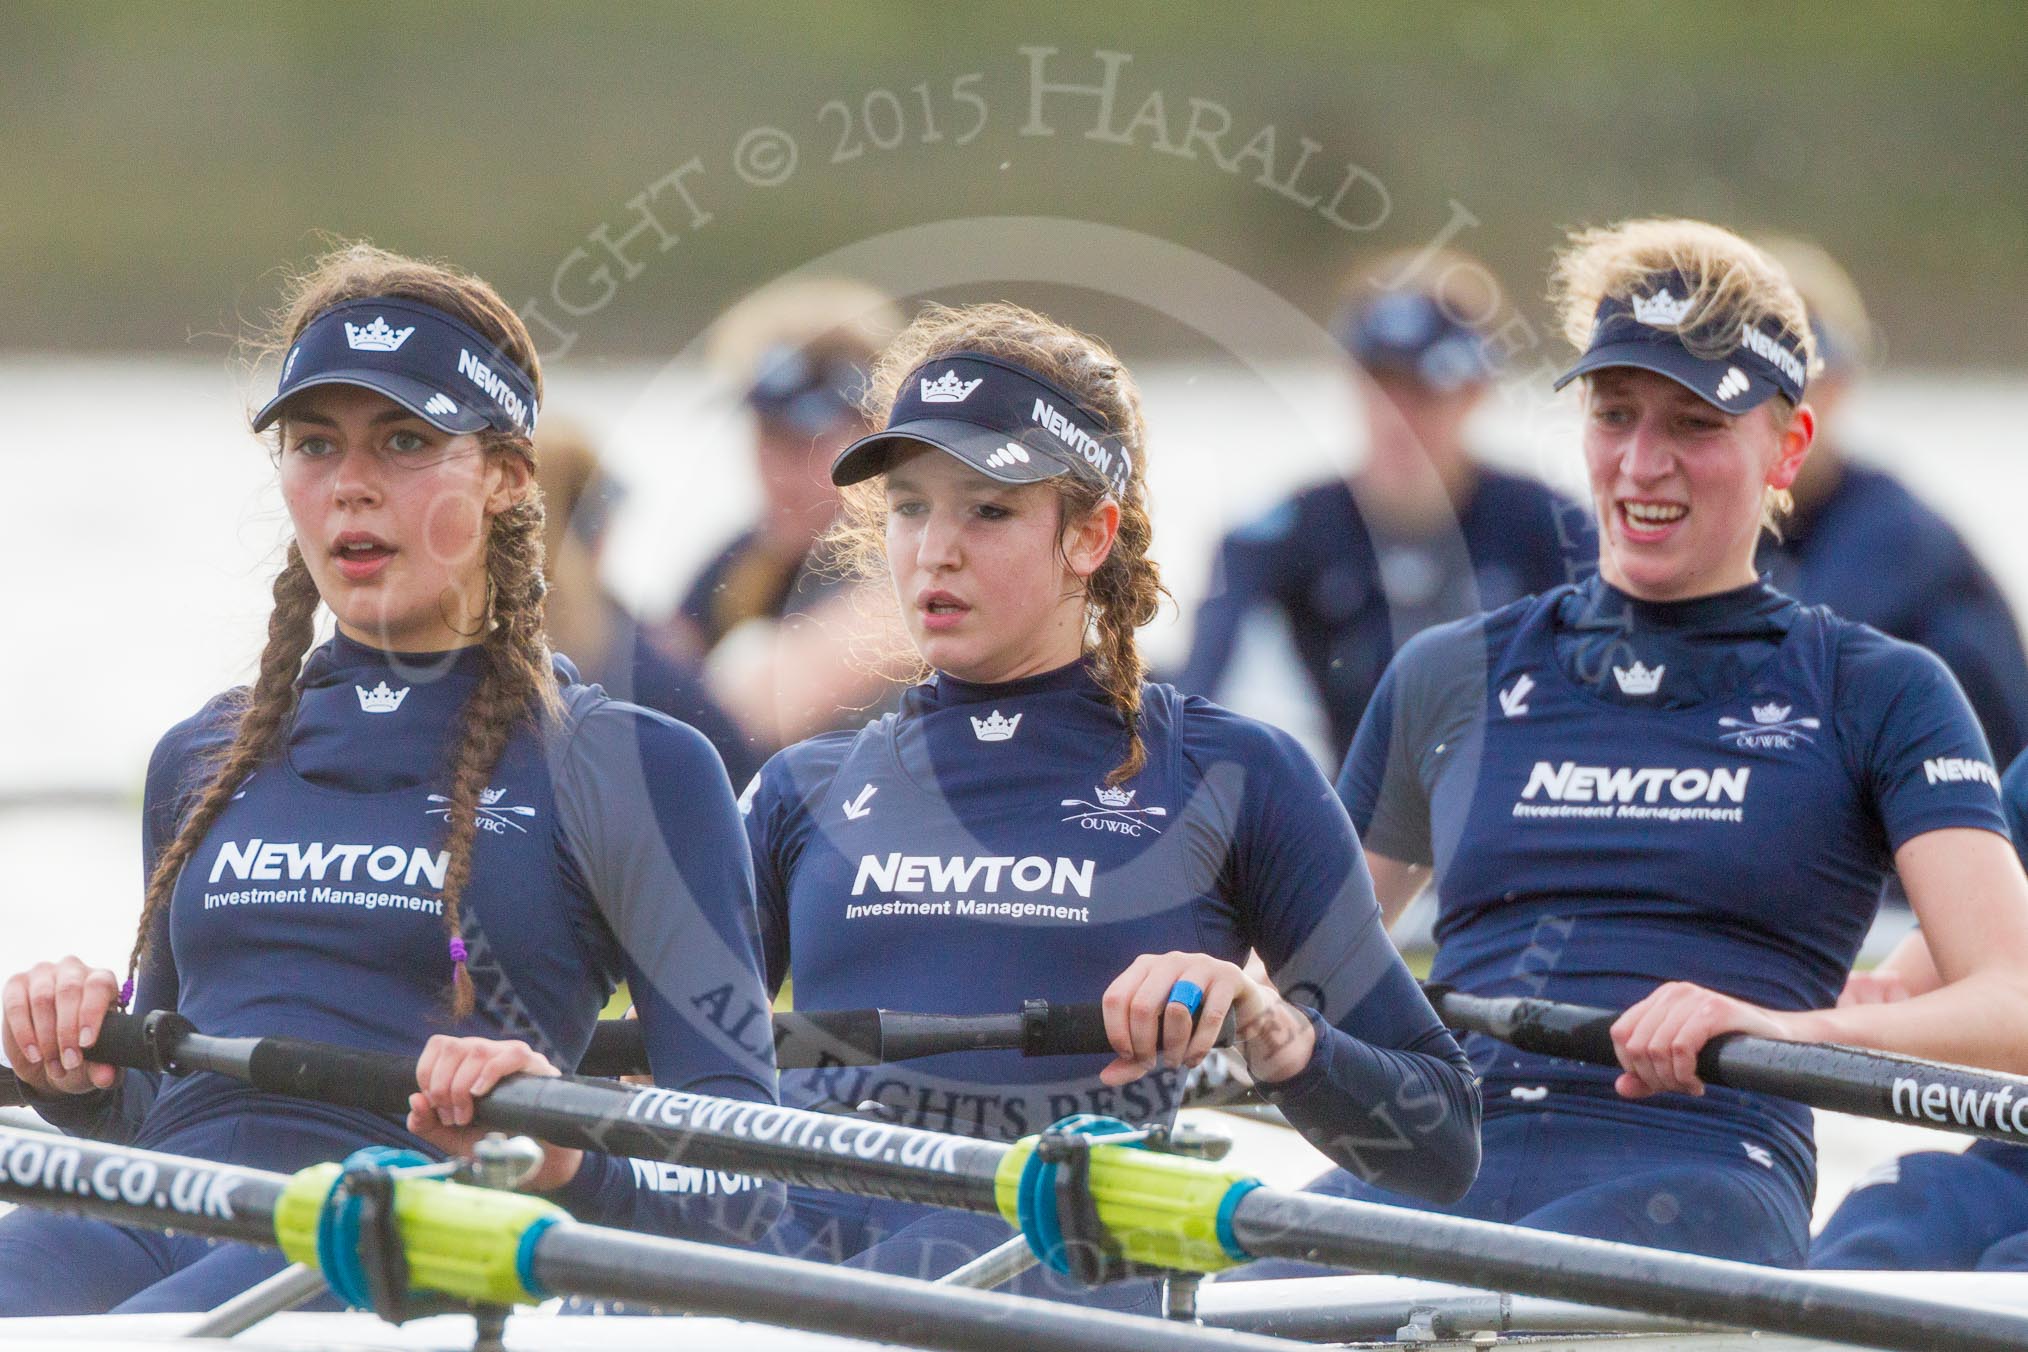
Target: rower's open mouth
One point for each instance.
(1647, 519)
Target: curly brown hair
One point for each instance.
(517, 687)
(1125, 591)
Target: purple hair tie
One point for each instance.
(126, 992)
(458, 953)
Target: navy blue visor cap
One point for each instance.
(1006, 422)
(805, 392)
(1643, 331)
(433, 364)
(1413, 333)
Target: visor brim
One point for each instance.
(976, 447)
(412, 394)
(1702, 377)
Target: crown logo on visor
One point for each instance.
(380, 700)
(1661, 310)
(376, 337)
(994, 727)
(948, 389)
(1637, 679)
(1114, 797)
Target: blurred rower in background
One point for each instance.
(1862, 544)
(1422, 532)
(588, 625)
(787, 651)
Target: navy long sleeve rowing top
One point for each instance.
(609, 848)
(965, 854)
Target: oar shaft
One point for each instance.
(814, 1149)
(848, 1302)
(1370, 1237)
(870, 1158)
(817, 1150)
(819, 1039)
(1960, 1099)
(137, 1187)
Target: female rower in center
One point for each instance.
(1037, 821)
(1673, 790)
(424, 826)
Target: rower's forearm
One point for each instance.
(104, 1114)
(1403, 1120)
(1981, 1020)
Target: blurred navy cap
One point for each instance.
(1412, 333)
(809, 392)
(1838, 356)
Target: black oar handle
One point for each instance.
(1080, 1030)
(1961, 1099)
(844, 1037)
(1547, 1027)
(816, 1039)
(379, 1081)
(810, 1040)
(123, 1041)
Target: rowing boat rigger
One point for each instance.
(1064, 1191)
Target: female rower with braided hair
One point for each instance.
(1039, 821)
(422, 827)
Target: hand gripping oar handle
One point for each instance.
(125, 1048)
(816, 1039)
(1080, 1030)
(1936, 1094)
(803, 1040)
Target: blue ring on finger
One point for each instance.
(1188, 994)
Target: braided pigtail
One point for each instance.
(517, 689)
(1120, 597)
(261, 724)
